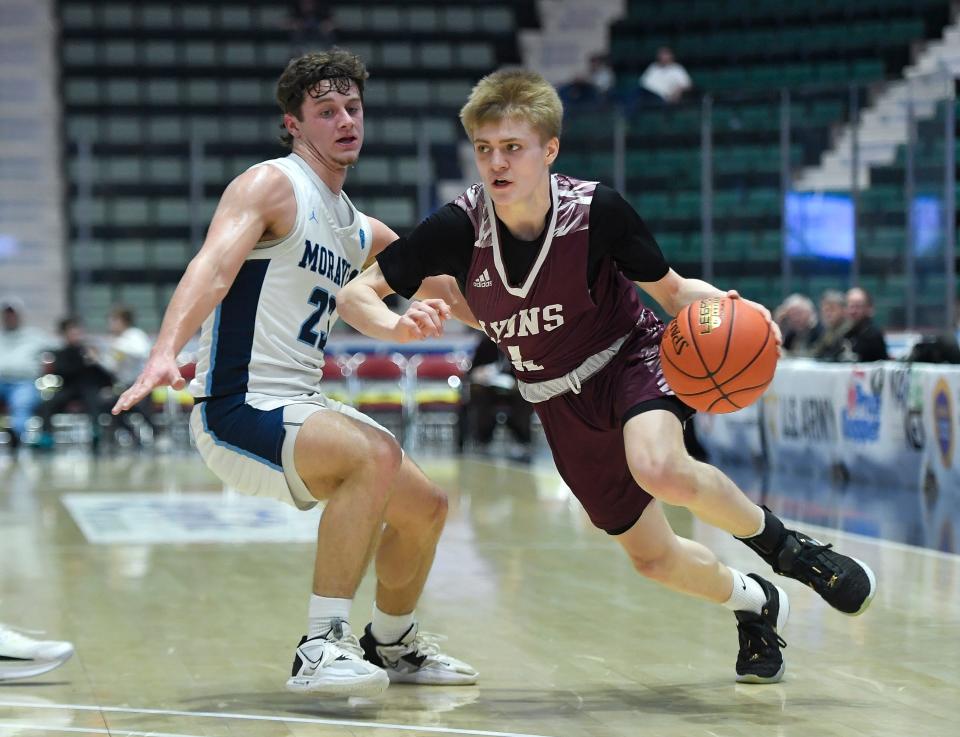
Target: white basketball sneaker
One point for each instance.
(332, 664)
(22, 656)
(416, 658)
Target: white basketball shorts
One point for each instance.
(248, 440)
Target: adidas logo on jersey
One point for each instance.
(483, 280)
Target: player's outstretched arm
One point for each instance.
(446, 288)
(360, 303)
(361, 300)
(253, 204)
(433, 287)
(673, 292)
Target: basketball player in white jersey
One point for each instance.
(283, 241)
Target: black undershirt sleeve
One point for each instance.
(616, 230)
(441, 244)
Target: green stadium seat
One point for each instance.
(123, 169)
(423, 19)
(384, 19)
(239, 53)
(235, 16)
(458, 18)
(79, 52)
(127, 91)
(198, 17)
(498, 19)
(437, 55)
(686, 205)
(476, 55)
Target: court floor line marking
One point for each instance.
(878, 541)
(267, 718)
(92, 730)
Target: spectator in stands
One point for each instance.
(77, 364)
(593, 86)
(129, 347)
(601, 73)
(831, 346)
(801, 328)
(665, 80)
(865, 338)
(20, 349)
(125, 359)
(492, 389)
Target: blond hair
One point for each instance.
(518, 94)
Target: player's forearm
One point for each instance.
(691, 290)
(445, 288)
(201, 289)
(362, 308)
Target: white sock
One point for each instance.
(763, 525)
(747, 594)
(323, 610)
(389, 628)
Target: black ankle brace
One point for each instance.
(770, 540)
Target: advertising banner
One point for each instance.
(888, 423)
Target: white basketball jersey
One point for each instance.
(268, 334)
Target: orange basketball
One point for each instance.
(718, 355)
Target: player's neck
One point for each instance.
(526, 218)
(330, 173)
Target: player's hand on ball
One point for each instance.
(734, 294)
(161, 370)
(423, 319)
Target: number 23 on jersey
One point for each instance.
(325, 303)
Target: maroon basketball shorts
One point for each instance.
(585, 431)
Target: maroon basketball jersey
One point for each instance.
(551, 323)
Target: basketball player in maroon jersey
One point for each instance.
(548, 265)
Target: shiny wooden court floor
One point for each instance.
(195, 638)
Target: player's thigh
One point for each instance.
(653, 443)
(331, 446)
(415, 500)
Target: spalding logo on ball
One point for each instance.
(718, 355)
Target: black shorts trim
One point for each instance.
(670, 403)
(621, 530)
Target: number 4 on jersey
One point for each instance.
(517, 360)
(325, 303)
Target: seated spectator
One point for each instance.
(492, 388)
(801, 328)
(83, 377)
(833, 317)
(20, 349)
(579, 92)
(128, 352)
(600, 74)
(129, 348)
(665, 79)
(593, 86)
(864, 337)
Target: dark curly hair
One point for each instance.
(315, 74)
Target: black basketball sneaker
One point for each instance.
(760, 659)
(845, 583)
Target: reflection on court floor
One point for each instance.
(179, 638)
